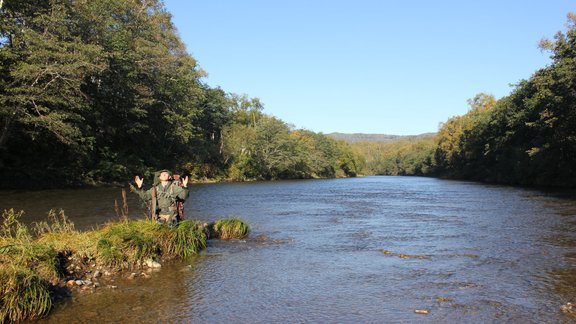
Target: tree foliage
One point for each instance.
(100, 90)
(270, 149)
(400, 157)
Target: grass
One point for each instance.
(31, 265)
(186, 239)
(229, 228)
(126, 244)
(26, 266)
(24, 294)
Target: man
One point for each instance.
(163, 197)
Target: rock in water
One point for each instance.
(567, 308)
(152, 264)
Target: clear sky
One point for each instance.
(368, 66)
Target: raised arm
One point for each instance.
(146, 195)
(138, 181)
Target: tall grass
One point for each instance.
(229, 228)
(59, 233)
(25, 266)
(19, 248)
(57, 223)
(122, 213)
(23, 294)
(126, 244)
(186, 239)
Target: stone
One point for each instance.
(152, 264)
(567, 308)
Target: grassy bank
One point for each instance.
(37, 265)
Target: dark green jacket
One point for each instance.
(166, 197)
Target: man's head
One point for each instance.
(164, 175)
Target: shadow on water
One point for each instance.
(86, 207)
(374, 249)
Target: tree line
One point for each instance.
(97, 91)
(525, 138)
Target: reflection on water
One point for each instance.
(371, 249)
(85, 207)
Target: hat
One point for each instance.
(157, 175)
(163, 170)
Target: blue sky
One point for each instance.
(367, 66)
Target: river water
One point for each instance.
(361, 250)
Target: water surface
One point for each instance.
(363, 250)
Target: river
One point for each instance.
(360, 250)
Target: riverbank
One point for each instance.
(40, 267)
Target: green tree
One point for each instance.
(148, 97)
(45, 66)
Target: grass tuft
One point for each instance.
(56, 224)
(126, 244)
(18, 247)
(23, 294)
(187, 239)
(129, 243)
(229, 228)
(24, 267)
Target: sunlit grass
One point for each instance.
(25, 265)
(229, 228)
(126, 244)
(23, 294)
(19, 248)
(186, 239)
(60, 234)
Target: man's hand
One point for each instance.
(138, 181)
(185, 182)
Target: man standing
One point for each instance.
(163, 197)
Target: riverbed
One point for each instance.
(360, 250)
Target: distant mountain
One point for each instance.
(380, 138)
